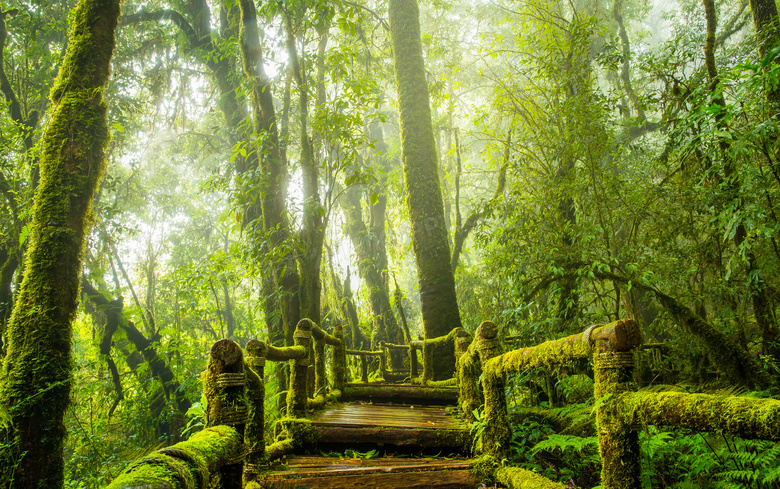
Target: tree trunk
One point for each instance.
(313, 228)
(762, 306)
(372, 263)
(35, 391)
(160, 369)
(273, 172)
(429, 234)
(765, 19)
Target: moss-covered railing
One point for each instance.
(231, 451)
(611, 346)
(620, 410)
(450, 345)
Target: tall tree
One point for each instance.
(268, 161)
(429, 233)
(35, 391)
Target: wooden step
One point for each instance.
(403, 393)
(398, 425)
(387, 472)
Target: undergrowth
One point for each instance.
(562, 445)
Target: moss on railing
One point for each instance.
(224, 386)
(620, 335)
(496, 435)
(517, 478)
(187, 464)
(469, 369)
(741, 416)
(439, 349)
(618, 441)
(254, 434)
(339, 366)
(490, 471)
(297, 392)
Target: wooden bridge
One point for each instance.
(421, 429)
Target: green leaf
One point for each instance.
(24, 233)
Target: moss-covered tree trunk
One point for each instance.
(763, 308)
(35, 390)
(313, 223)
(429, 234)
(369, 242)
(270, 164)
(765, 21)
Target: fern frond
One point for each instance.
(565, 441)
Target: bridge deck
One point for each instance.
(390, 424)
(388, 473)
(388, 415)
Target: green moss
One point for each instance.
(742, 416)
(300, 431)
(35, 391)
(187, 464)
(279, 448)
(439, 356)
(297, 394)
(339, 363)
(618, 441)
(469, 394)
(484, 469)
(496, 435)
(517, 478)
(620, 335)
(254, 433)
(453, 382)
(319, 402)
(225, 404)
(489, 471)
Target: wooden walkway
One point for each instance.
(387, 428)
(304, 472)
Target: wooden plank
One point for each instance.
(401, 393)
(450, 479)
(395, 416)
(331, 470)
(322, 461)
(403, 437)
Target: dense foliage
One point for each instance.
(597, 159)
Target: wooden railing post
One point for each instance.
(364, 368)
(462, 341)
(496, 435)
(613, 365)
(224, 382)
(383, 359)
(297, 394)
(414, 369)
(255, 428)
(468, 371)
(339, 365)
(320, 375)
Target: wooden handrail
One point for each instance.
(369, 353)
(234, 387)
(185, 464)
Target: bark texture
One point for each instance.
(271, 168)
(35, 390)
(429, 234)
